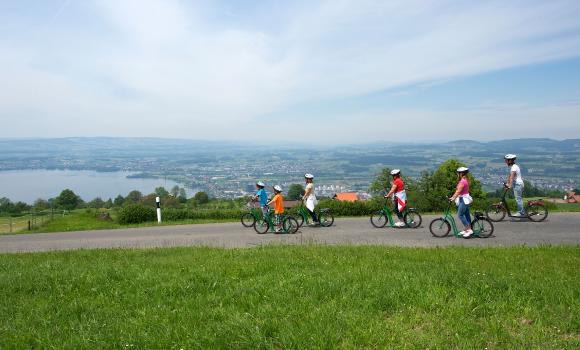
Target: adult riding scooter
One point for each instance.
(535, 210)
(440, 227)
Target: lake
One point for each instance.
(29, 185)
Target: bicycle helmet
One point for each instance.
(462, 169)
(510, 156)
(309, 176)
(277, 188)
(261, 184)
(395, 172)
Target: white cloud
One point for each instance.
(172, 68)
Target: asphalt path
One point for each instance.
(558, 229)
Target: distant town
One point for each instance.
(230, 170)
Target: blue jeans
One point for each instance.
(518, 190)
(463, 213)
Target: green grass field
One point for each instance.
(81, 220)
(13, 225)
(568, 207)
(292, 297)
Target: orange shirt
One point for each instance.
(278, 204)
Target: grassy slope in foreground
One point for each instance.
(292, 297)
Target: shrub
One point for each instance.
(174, 214)
(204, 214)
(338, 208)
(135, 214)
(201, 197)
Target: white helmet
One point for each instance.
(278, 188)
(309, 176)
(510, 156)
(462, 169)
(395, 172)
(261, 184)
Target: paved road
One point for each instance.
(560, 228)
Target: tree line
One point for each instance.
(69, 200)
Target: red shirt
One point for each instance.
(399, 183)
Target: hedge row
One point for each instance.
(135, 214)
(212, 214)
(359, 208)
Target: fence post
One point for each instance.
(10, 223)
(157, 204)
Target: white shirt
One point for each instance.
(311, 195)
(518, 178)
(311, 199)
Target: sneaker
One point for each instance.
(400, 224)
(461, 233)
(467, 233)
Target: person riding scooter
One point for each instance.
(516, 182)
(399, 196)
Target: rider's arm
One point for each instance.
(307, 192)
(457, 192)
(511, 179)
(393, 189)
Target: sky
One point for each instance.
(315, 72)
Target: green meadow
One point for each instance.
(292, 297)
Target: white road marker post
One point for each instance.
(158, 210)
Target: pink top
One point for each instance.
(465, 189)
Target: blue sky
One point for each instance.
(325, 72)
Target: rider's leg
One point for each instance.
(518, 192)
(313, 215)
(396, 210)
(463, 213)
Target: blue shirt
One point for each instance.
(263, 197)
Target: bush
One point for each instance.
(136, 214)
(358, 208)
(201, 197)
(211, 214)
(338, 208)
(174, 214)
